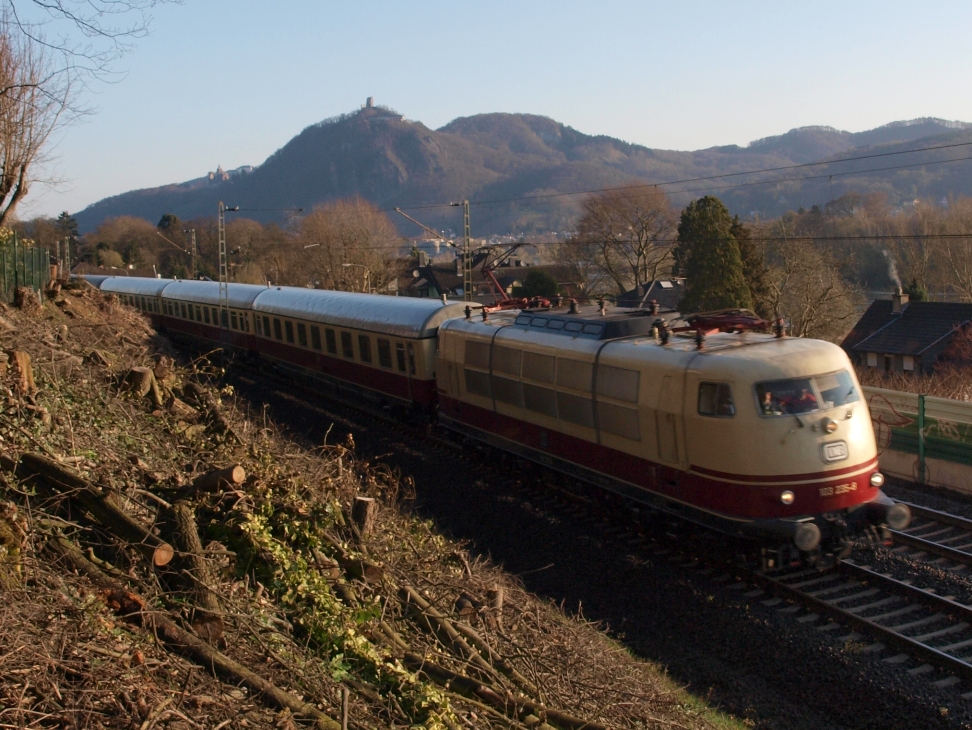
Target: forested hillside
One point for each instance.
(378, 155)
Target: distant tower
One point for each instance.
(370, 103)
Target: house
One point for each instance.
(435, 279)
(667, 292)
(898, 336)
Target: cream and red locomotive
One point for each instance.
(746, 432)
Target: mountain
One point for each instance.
(377, 154)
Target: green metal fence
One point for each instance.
(929, 427)
(23, 266)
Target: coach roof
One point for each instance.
(397, 316)
(239, 296)
(138, 286)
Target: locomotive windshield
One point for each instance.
(804, 395)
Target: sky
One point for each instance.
(229, 82)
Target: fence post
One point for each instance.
(921, 439)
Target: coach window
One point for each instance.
(224, 318)
(331, 342)
(206, 314)
(715, 399)
(384, 353)
(183, 308)
(256, 323)
(315, 337)
(215, 315)
(302, 334)
(246, 322)
(199, 314)
(289, 327)
(347, 346)
(364, 348)
(266, 327)
(411, 359)
(190, 313)
(233, 320)
(400, 356)
(277, 329)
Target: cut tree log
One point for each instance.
(100, 504)
(214, 414)
(364, 514)
(185, 643)
(512, 706)
(358, 568)
(26, 299)
(206, 621)
(23, 371)
(96, 357)
(229, 478)
(141, 381)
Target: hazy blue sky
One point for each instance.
(230, 82)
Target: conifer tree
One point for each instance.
(754, 269)
(707, 255)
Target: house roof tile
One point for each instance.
(911, 332)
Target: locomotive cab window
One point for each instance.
(805, 395)
(715, 399)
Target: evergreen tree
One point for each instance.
(67, 226)
(754, 269)
(537, 284)
(707, 255)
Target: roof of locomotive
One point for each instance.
(588, 322)
(238, 296)
(727, 356)
(132, 285)
(396, 316)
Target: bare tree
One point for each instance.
(34, 101)
(806, 286)
(579, 260)
(628, 232)
(349, 245)
(958, 250)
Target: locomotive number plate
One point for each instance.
(839, 489)
(834, 451)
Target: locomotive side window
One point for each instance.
(539, 367)
(619, 420)
(347, 346)
(540, 400)
(477, 383)
(506, 360)
(400, 356)
(315, 337)
(575, 409)
(384, 353)
(477, 354)
(331, 342)
(507, 391)
(618, 383)
(302, 334)
(364, 348)
(277, 329)
(574, 374)
(715, 399)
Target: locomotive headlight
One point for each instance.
(787, 497)
(877, 479)
(830, 425)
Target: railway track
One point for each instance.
(937, 533)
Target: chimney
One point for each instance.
(898, 302)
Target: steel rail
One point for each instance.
(931, 546)
(829, 608)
